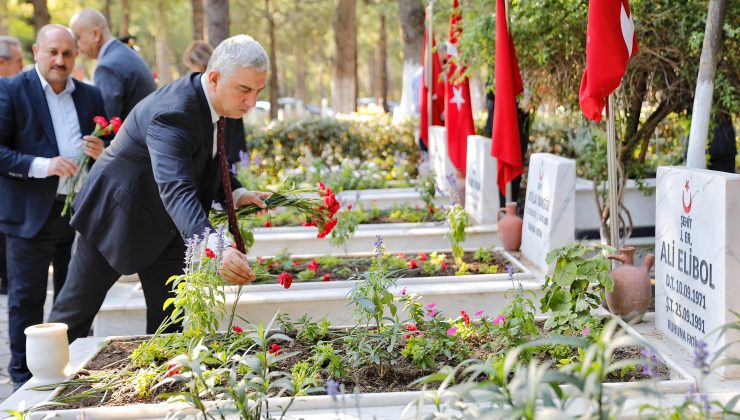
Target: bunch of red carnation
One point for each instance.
(328, 210)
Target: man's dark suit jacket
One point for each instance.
(124, 78)
(155, 181)
(26, 131)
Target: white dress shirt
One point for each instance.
(66, 130)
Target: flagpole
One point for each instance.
(429, 72)
(611, 154)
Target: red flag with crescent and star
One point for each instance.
(610, 42)
(458, 113)
(438, 92)
(505, 133)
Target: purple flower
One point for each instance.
(215, 205)
(700, 357)
(403, 291)
(432, 312)
(243, 158)
(649, 361)
(378, 246)
(499, 320)
(479, 313)
(332, 388)
(511, 270)
(431, 305)
(233, 169)
(452, 331)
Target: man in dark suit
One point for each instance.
(168, 150)
(122, 75)
(43, 116)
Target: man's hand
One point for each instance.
(61, 166)
(92, 146)
(234, 267)
(254, 197)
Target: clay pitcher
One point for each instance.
(510, 227)
(631, 296)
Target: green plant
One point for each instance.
(458, 220)
(427, 187)
(325, 357)
(483, 255)
(348, 219)
(576, 286)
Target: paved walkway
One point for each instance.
(6, 386)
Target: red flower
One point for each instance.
(285, 279)
(327, 276)
(116, 123)
(101, 121)
(322, 186)
(402, 255)
(465, 316)
(313, 265)
(268, 223)
(173, 369)
(296, 263)
(237, 329)
(430, 207)
(411, 327)
(260, 260)
(413, 264)
(210, 253)
(327, 228)
(443, 265)
(274, 348)
(349, 206)
(422, 256)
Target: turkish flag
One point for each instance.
(505, 134)
(438, 92)
(458, 113)
(610, 42)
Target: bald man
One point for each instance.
(44, 115)
(124, 78)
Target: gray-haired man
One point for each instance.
(168, 150)
(11, 57)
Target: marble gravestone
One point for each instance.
(697, 258)
(549, 209)
(440, 157)
(481, 189)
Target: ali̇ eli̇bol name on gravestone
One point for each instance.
(697, 242)
(690, 276)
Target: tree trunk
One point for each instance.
(383, 66)
(106, 11)
(41, 15)
(412, 26)
(344, 81)
(274, 85)
(198, 20)
(4, 18)
(217, 21)
(164, 57)
(696, 154)
(125, 15)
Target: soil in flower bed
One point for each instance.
(485, 261)
(112, 359)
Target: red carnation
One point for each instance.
(101, 121)
(116, 123)
(327, 276)
(237, 329)
(443, 265)
(465, 316)
(274, 348)
(268, 223)
(327, 228)
(349, 206)
(210, 253)
(322, 186)
(285, 279)
(413, 264)
(422, 256)
(313, 265)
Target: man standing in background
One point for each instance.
(11, 63)
(124, 78)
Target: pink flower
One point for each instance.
(452, 331)
(285, 279)
(585, 331)
(403, 292)
(327, 277)
(210, 253)
(431, 305)
(479, 313)
(499, 320)
(432, 312)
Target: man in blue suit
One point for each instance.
(170, 149)
(124, 78)
(43, 117)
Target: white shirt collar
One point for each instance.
(204, 85)
(105, 47)
(68, 88)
